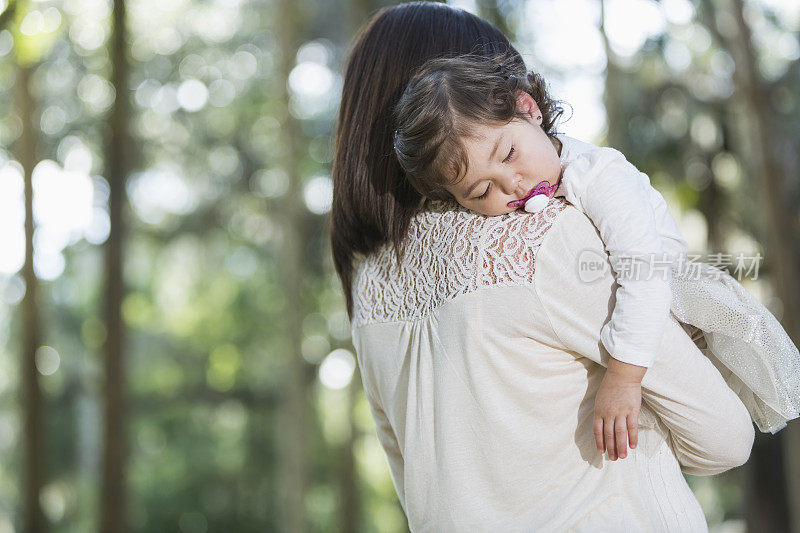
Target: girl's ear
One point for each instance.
(527, 105)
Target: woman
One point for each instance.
(481, 370)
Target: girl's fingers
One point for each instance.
(621, 432)
(598, 434)
(613, 434)
(633, 430)
(608, 434)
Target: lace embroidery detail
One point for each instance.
(450, 251)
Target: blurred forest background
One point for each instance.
(174, 346)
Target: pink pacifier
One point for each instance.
(537, 199)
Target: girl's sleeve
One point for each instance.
(710, 429)
(615, 196)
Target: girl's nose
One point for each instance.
(511, 183)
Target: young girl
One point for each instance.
(469, 128)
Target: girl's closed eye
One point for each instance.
(486, 192)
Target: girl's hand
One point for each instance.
(616, 413)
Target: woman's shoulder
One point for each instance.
(572, 231)
(446, 230)
(572, 248)
(450, 250)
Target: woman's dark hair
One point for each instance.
(442, 104)
(373, 201)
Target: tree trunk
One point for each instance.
(31, 394)
(756, 142)
(294, 449)
(491, 11)
(792, 461)
(709, 204)
(113, 504)
(765, 482)
(616, 117)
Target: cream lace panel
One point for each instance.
(450, 251)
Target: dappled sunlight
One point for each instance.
(318, 194)
(337, 368)
(159, 192)
(64, 213)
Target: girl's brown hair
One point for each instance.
(442, 104)
(373, 201)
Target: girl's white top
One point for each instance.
(640, 236)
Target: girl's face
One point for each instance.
(507, 162)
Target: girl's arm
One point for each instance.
(710, 429)
(616, 197)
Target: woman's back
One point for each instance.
(483, 405)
